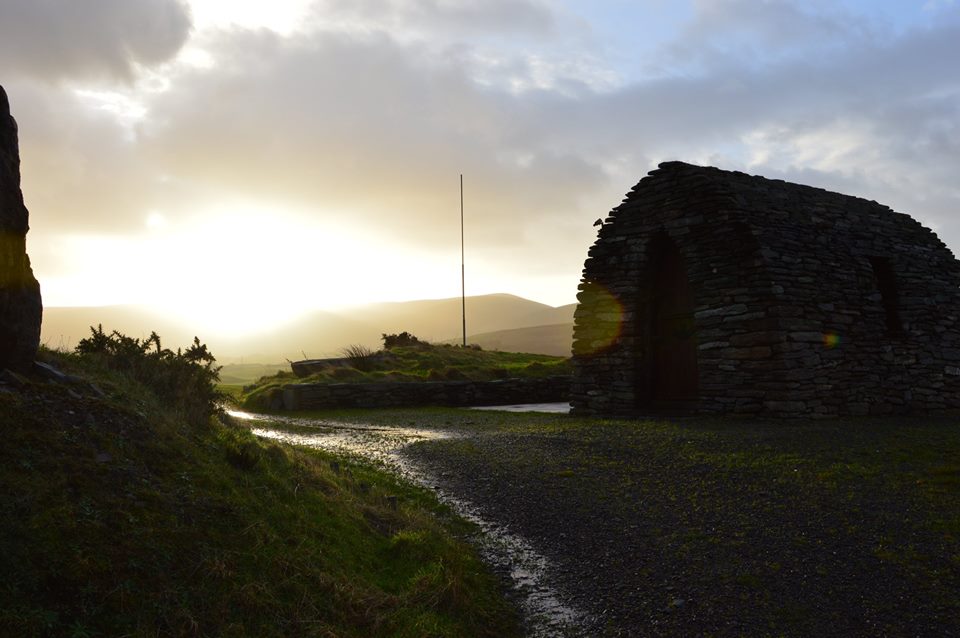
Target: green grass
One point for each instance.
(232, 392)
(119, 519)
(411, 364)
(245, 373)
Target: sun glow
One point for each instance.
(281, 16)
(246, 271)
(242, 270)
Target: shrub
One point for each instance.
(399, 340)
(185, 380)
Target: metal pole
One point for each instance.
(463, 278)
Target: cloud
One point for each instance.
(81, 172)
(348, 123)
(369, 126)
(103, 39)
(503, 17)
(365, 119)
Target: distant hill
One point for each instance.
(245, 373)
(63, 327)
(315, 335)
(556, 339)
(322, 333)
(441, 320)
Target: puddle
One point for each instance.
(553, 408)
(376, 443)
(545, 613)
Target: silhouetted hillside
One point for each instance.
(556, 339)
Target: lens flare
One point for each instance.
(831, 340)
(599, 320)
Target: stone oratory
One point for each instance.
(709, 291)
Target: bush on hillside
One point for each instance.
(400, 340)
(185, 380)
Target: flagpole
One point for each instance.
(463, 277)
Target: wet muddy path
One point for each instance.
(546, 613)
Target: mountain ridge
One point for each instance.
(319, 333)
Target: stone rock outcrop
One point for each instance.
(20, 304)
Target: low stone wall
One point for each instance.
(305, 396)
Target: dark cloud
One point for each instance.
(68, 39)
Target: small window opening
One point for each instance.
(887, 284)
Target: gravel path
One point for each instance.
(697, 529)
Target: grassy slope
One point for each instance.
(120, 520)
(241, 373)
(422, 363)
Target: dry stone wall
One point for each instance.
(804, 302)
(303, 396)
(20, 303)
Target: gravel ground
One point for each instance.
(716, 529)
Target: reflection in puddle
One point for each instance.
(545, 615)
(552, 408)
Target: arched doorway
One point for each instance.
(672, 350)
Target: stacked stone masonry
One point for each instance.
(303, 396)
(710, 291)
(20, 304)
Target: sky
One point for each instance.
(236, 163)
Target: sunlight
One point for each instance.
(281, 16)
(241, 270)
(236, 273)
